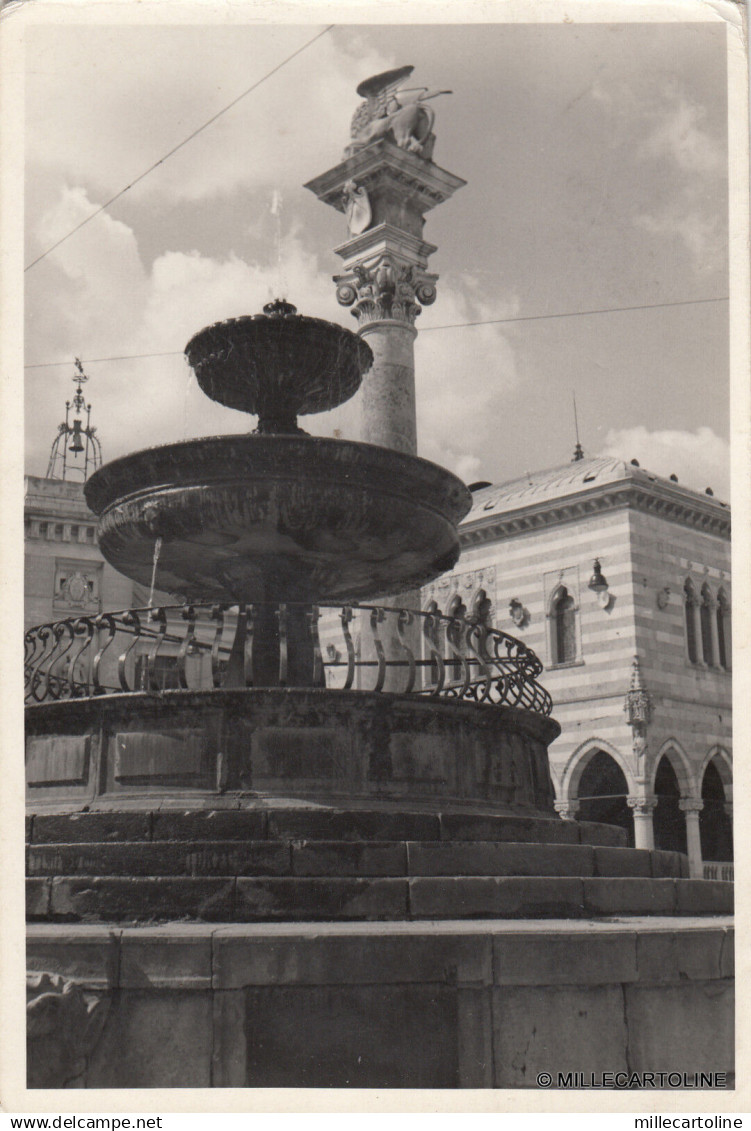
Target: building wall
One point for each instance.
(60, 543)
(588, 693)
(645, 559)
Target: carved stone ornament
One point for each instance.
(357, 208)
(519, 614)
(63, 1025)
(77, 590)
(663, 598)
(386, 289)
(394, 112)
(568, 810)
(638, 704)
(642, 806)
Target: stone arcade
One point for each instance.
(279, 873)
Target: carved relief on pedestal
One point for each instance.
(357, 208)
(63, 1025)
(385, 288)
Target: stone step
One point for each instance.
(292, 899)
(312, 823)
(345, 858)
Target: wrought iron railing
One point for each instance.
(718, 870)
(204, 647)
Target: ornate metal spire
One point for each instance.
(578, 450)
(84, 443)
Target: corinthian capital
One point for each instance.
(568, 810)
(691, 804)
(386, 289)
(642, 806)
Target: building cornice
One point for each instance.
(707, 517)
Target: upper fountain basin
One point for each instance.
(278, 364)
(257, 517)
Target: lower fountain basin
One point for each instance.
(254, 518)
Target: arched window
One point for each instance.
(723, 630)
(482, 617)
(455, 641)
(433, 642)
(705, 620)
(482, 609)
(564, 627)
(690, 601)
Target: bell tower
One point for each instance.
(76, 459)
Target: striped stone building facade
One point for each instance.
(620, 581)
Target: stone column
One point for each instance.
(692, 807)
(695, 606)
(385, 184)
(389, 416)
(643, 808)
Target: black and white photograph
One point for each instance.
(373, 396)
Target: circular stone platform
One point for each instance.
(286, 743)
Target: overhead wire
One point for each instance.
(426, 329)
(179, 146)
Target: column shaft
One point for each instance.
(388, 389)
(692, 807)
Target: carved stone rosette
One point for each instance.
(386, 289)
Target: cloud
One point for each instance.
(700, 459)
(107, 303)
(682, 167)
(701, 234)
(678, 135)
(103, 104)
(110, 303)
(462, 375)
(693, 214)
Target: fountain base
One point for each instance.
(308, 743)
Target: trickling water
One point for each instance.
(276, 210)
(157, 551)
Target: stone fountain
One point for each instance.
(280, 835)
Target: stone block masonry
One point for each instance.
(431, 1005)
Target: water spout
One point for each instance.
(157, 551)
(276, 211)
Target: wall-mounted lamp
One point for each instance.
(599, 585)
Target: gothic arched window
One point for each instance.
(455, 641)
(690, 603)
(433, 631)
(564, 627)
(705, 620)
(723, 630)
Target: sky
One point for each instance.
(595, 157)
